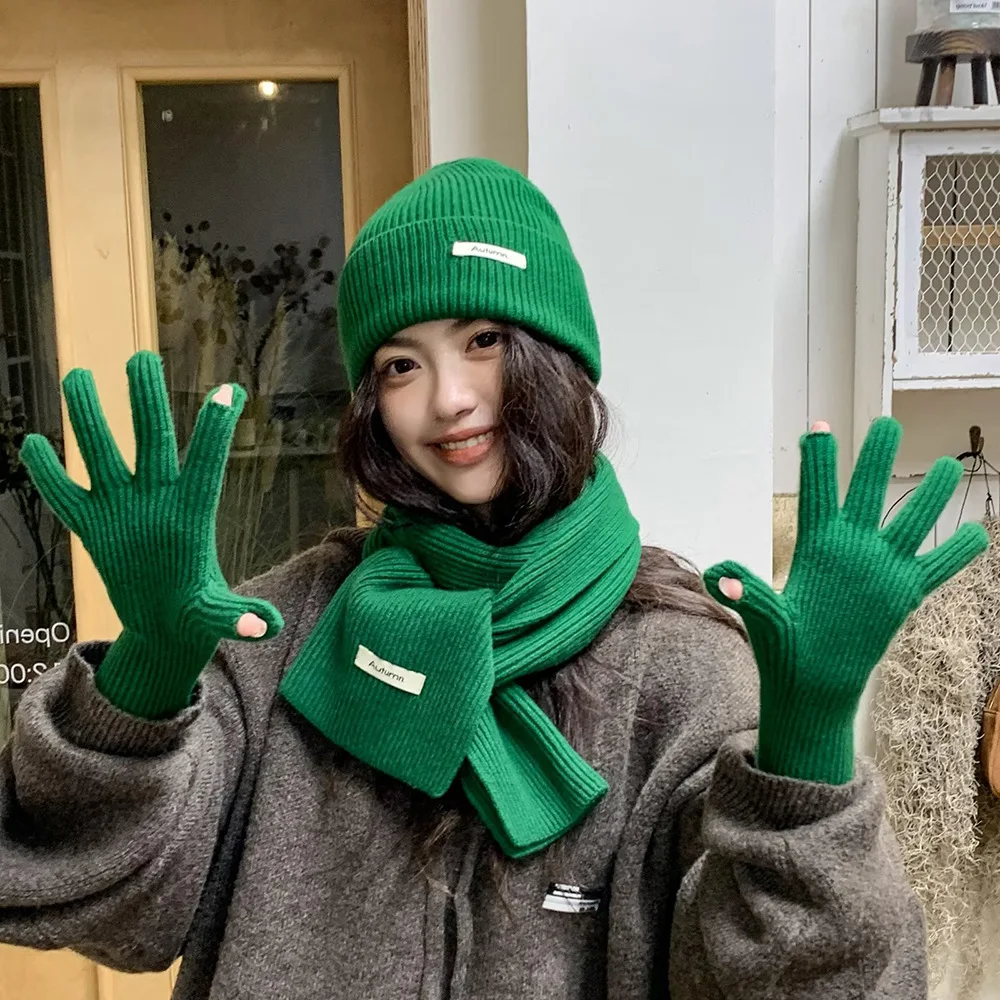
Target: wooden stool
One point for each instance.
(940, 51)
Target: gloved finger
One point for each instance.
(914, 522)
(866, 493)
(208, 450)
(762, 610)
(943, 562)
(104, 461)
(66, 498)
(217, 611)
(155, 440)
(817, 481)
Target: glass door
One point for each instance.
(37, 618)
(246, 210)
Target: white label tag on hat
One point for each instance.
(491, 252)
(398, 677)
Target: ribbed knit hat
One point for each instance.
(466, 240)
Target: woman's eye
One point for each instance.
(399, 366)
(488, 338)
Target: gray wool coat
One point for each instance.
(235, 835)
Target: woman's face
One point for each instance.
(439, 387)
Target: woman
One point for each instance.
(491, 749)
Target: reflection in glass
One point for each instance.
(247, 217)
(36, 595)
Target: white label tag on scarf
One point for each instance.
(572, 898)
(398, 677)
(501, 254)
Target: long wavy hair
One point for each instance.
(553, 421)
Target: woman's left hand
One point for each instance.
(851, 585)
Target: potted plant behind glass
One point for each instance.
(244, 315)
(49, 555)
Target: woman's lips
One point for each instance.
(466, 452)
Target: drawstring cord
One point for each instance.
(463, 912)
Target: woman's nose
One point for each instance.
(453, 396)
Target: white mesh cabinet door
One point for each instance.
(948, 260)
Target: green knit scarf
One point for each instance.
(413, 665)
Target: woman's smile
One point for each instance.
(466, 450)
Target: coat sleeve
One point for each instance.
(769, 887)
(119, 835)
(108, 822)
(796, 890)
(737, 884)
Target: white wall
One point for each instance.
(661, 166)
(825, 71)
(476, 80)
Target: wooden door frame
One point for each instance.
(420, 118)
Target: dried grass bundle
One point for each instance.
(934, 681)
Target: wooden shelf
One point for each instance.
(937, 118)
(959, 382)
(959, 236)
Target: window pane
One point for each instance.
(247, 216)
(36, 596)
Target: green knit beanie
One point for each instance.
(468, 239)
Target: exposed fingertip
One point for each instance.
(250, 626)
(730, 588)
(223, 395)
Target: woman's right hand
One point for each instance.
(152, 536)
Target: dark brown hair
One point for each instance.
(553, 423)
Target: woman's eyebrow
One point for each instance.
(401, 340)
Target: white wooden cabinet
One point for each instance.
(928, 282)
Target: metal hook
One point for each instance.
(976, 443)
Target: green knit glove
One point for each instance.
(151, 535)
(850, 587)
